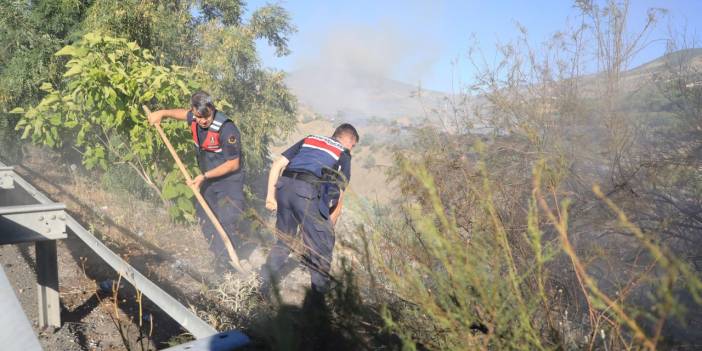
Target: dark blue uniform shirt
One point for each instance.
(344, 159)
(330, 191)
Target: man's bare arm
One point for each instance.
(337, 210)
(223, 169)
(219, 171)
(180, 114)
(276, 170)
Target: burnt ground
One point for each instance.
(174, 256)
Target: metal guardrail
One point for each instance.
(32, 223)
(16, 333)
(196, 326)
(163, 300)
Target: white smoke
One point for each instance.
(359, 67)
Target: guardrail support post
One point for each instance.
(47, 284)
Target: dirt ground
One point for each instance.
(173, 256)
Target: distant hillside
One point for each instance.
(380, 107)
(688, 56)
(358, 96)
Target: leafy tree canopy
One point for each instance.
(77, 72)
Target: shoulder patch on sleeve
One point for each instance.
(232, 140)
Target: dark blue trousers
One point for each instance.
(298, 207)
(226, 199)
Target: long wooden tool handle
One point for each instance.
(234, 259)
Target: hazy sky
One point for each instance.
(421, 41)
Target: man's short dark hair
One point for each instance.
(202, 103)
(346, 129)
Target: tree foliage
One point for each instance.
(31, 31)
(121, 54)
(97, 109)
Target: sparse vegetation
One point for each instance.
(547, 233)
(573, 220)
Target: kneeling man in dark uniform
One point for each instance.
(309, 196)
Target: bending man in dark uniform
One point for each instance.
(218, 146)
(309, 195)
